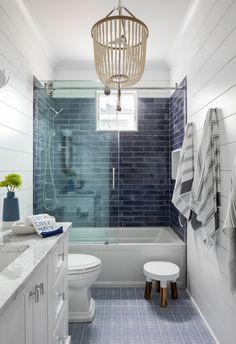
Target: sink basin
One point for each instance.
(8, 254)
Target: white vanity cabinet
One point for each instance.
(12, 323)
(36, 305)
(39, 313)
(59, 294)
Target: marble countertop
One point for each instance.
(15, 276)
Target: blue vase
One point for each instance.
(11, 210)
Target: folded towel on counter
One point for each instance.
(206, 184)
(184, 178)
(51, 233)
(44, 224)
(229, 228)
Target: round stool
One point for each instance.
(161, 272)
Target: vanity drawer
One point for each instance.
(60, 334)
(59, 298)
(59, 260)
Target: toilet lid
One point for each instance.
(82, 261)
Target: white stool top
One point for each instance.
(161, 271)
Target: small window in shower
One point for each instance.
(108, 119)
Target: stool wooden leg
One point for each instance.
(158, 286)
(148, 290)
(174, 293)
(163, 299)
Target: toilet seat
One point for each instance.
(82, 263)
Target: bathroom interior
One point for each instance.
(118, 172)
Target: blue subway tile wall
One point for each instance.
(144, 167)
(141, 195)
(43, 129)
(177, 124)
(82, 178)
(83, 159)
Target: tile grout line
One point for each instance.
(83, 332)
(104, 312)
(158, 323)
(122, 339)
(139, 319)
(177, 325)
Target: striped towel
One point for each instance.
(229, 229)
(184, 179)
(206, 184)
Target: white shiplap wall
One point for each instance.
(155, 75)
(21, 56)
(206, 53)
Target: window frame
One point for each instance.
(134, 114)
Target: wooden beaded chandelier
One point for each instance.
(119, 49)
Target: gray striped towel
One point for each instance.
(184, 179)
(229, 229)
(206, 184)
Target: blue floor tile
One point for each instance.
(113, 313)
(112, 332)
(123, 316)
(113, 296)
(99, 313)
(132, 332)
(92, 334)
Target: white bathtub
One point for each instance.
(124, 251)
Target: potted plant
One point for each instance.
(11, 211)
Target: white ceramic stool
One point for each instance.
(161, 272)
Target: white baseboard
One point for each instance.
(123, 284)
(119, 284)
(203, 318)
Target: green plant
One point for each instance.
(11, 182)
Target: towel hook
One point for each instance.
(3, 78)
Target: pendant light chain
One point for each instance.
(119, 6)
(119, 49)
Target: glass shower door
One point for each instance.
(85, 171)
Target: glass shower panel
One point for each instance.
(85, 168)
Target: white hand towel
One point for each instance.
(206, 184)
(184, 179)
(44, 224)
(229, 229)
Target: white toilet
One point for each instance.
(83, 272)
